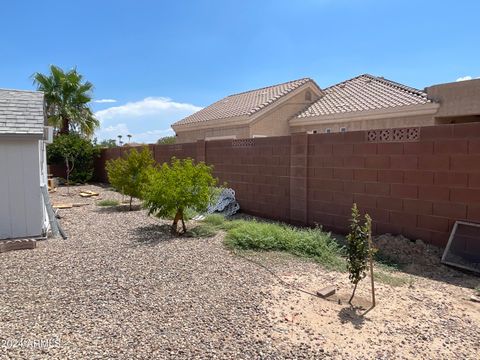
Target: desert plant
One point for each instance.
(129, 174)
(76, 153)
(108, 202)
(359, 250)
(174, 187)
(263, 236)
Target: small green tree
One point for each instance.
(76, 153)
(129, 174)
(166, 140)
(359, 251)
(178, 186)
(110, 143)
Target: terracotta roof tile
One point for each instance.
(364, 92)
(245, 103)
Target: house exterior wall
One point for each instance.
(21, 205)
(271, 122)
(356, 125)
(460, 98)
(275, 122)
(213, 132)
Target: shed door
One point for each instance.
(21, 211)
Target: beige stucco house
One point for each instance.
(362, 103)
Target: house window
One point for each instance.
(308, 96)
(343, 129)
(328, 130)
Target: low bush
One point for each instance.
(203, 231)
(129, 174)
(311, 243)
(108, 202)
(175, 187)
(76, 153)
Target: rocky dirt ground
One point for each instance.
(122, 287)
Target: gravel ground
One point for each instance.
(121, 287)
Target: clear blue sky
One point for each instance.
(162, 60)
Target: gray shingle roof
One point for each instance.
(245, 103)
(21, 112)
(364, 92)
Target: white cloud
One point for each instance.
(463, 78)
(104, 101)
(146, 120)
(147, 106)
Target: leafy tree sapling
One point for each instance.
(129, 174)
(76, 153)
(359, 250)
(174, 187)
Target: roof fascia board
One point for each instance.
(229, 122)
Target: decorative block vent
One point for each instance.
(176, 147)
(394, 135)
(243, 142)
(463, 248)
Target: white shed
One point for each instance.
(23, 168)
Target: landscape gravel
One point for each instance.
(121, 287)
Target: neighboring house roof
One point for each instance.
(21, 112)
(245, 103)
(364, 92)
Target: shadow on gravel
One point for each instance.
(151, 235)
(350, 314)
(117, 208)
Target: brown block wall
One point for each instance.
(415, 183)
(258, 170)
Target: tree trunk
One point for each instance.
(184, 228)
(353, 294)
(67, 165)
(65, 129)
(130, 208)
(178, 217)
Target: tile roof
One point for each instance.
(363, 93)
(245, 103)
(21, 112)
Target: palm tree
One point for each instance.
(67, 97)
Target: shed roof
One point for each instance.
(245, 103)
(364, 92)
(21, 112)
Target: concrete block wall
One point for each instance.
(416, 183)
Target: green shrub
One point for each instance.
(130, 174)
(175, 187)
(311, 243)
(203, 231)
(108, 202)
(76, 153)
(166, 140)
(359, 251)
